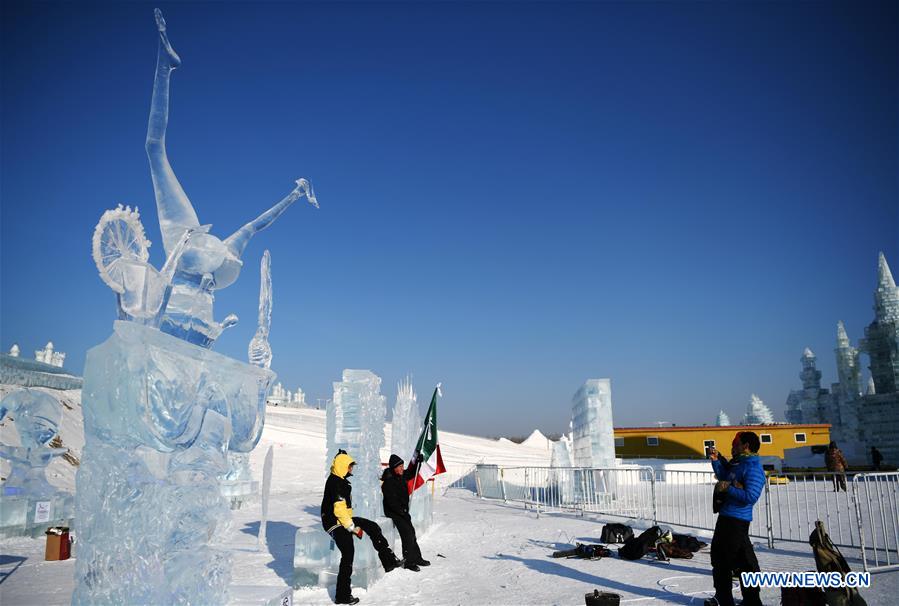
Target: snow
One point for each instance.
(490, 552)
(537, 440)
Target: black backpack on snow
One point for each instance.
(616, 533)
(637, 547)
(688, 542)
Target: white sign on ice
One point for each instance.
(42, 510)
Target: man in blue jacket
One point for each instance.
(740, 483)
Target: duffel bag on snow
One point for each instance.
(637, 547)
(616, 533)
(602, 598)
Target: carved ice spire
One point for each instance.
(260, 352)
(884, 275)
(842, 337)
(722, 419)
(757, 413)
(886, 297)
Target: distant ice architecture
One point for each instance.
(757, 413)
(29, 503)
(355, 422)
(161, 411)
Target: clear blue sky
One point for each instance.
(680, 196)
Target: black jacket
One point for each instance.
(337, 489)
(396, 492)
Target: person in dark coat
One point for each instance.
(395, 488)
(339, 522)
(836, 463)
(741, 482)
(876, 458)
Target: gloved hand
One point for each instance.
(358, 532)
(722, 486)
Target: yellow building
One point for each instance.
(694, 442)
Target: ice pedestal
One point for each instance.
(160, 415)
(421, 510)
(316, 558)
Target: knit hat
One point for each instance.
(394, 461)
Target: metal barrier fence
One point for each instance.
(863, 513)
(876, 497)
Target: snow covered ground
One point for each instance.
(489, 552)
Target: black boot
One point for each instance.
(391, 564)
(347, 600)
(423, 562)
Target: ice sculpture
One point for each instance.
(757, 413)
(29, 503)
(260, 352)
(722, 419)
(238, 485)
(162, 412)
(561, 453)
(406, 428)
(593, 439)
(208, 264)
(562, 476)
(355, 423)
(406, 424)
(121, 252)
(266, 490)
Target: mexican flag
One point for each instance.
(428, 461)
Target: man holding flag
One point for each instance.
(399, 483)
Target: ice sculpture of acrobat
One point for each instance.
(162, 411)
(37, 415)
(208, 263)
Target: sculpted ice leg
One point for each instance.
(176, 213)
(238, 241)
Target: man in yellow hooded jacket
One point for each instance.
(339, 522)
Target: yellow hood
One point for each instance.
(341, 465)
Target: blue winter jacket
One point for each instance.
(747, 470)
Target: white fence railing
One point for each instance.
(862, 513)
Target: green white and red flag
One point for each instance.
(428, 461)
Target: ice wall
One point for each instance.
(593, 438)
